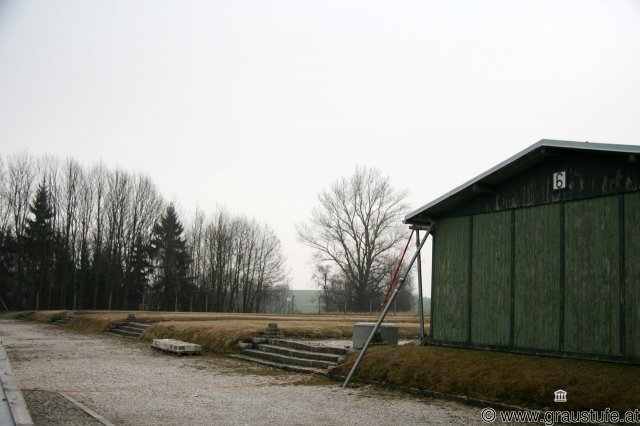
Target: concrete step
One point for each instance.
(27, 316)
(138, 325)
(298, 353)
(286, 367)
(131, 329)
(124, 333)
(61, 320)
(290, 360)
(127, 329)
(309, 348)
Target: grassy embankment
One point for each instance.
(514, 379)
(220, 333)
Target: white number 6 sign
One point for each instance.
(559, 180)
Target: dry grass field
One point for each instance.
(220, 332)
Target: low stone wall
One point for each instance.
(13, 409)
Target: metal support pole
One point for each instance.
(420, 300)
(383, 315)
(3, 304)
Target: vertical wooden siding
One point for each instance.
(491, 279)
(592, 282)
(450, 277)
(537, 277)
(632, 274)
(601, 311)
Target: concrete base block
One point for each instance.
(362, 331)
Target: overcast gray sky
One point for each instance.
(258, 105)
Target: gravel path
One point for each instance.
(129, 384)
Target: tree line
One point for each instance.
(75, 237)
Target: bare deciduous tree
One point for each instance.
(117, 210)
(143, 212)
(196, 244)
(85, 214)
(19, 189)
(356, 227)
(5, 222)
(99, 178)
(240, 264)
(68, 198)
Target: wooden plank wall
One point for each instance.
(537, 286)
(592, 283)
(557, 277)
(451, 272)
(632, 274)
(491, 279)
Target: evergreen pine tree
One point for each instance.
(137, 276)
(39, 239)
(9, 295)
(169, 251)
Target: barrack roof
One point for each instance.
(505, 170)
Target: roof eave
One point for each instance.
(412, 218)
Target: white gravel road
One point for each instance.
(127, 383)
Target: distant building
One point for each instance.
(312, 302)
(541, 254)
(306, 301)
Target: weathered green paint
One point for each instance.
(520, 266)
(592, 284)
(578, 300)
(632, 274)
(537, 277)
(491, 279)
(589, 175)
(451, 275)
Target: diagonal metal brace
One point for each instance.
(385, 311)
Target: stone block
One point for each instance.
(362, 331)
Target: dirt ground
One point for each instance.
(127, 383)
